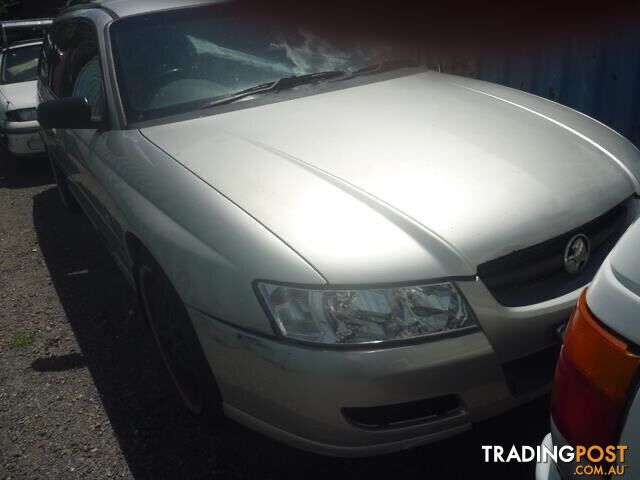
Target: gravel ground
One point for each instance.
(83, 393)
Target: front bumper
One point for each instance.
(23, 139)
(547, 470)
(298, 394)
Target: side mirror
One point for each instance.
(71, 112)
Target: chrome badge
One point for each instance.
(576, 253)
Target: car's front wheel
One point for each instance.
(175, 335)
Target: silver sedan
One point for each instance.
(333, 246)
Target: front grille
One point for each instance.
(537, 273)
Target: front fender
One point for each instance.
(210, 249)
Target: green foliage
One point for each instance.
(23, 339)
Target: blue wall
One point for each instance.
(598, 74)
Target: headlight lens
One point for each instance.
(366, 316)
(23, 115)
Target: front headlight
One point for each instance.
(22, 115)
(366, 315)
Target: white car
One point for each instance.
(596, 394)
(19, 129)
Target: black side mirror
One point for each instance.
(71, 112)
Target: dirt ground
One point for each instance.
(83, 393)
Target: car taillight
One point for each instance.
(593, 375)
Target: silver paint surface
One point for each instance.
(416, 178)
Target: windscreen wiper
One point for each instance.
(382, 67)
(285, 83)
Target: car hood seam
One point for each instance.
(380, 206)
(630, 174)
(305, 260)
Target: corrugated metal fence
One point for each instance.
(598, 74)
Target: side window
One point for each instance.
(45, 55)
(73, 65)
(84, 78)
(59, 55)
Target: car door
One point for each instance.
(82, 153)
(52, 65)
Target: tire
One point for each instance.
(66, 197)
(176, 338)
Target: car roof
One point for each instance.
(25, 43)
(26, 23)
(10, 29)
(127, 8)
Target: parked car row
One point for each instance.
(20, 46)
(334, 245)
